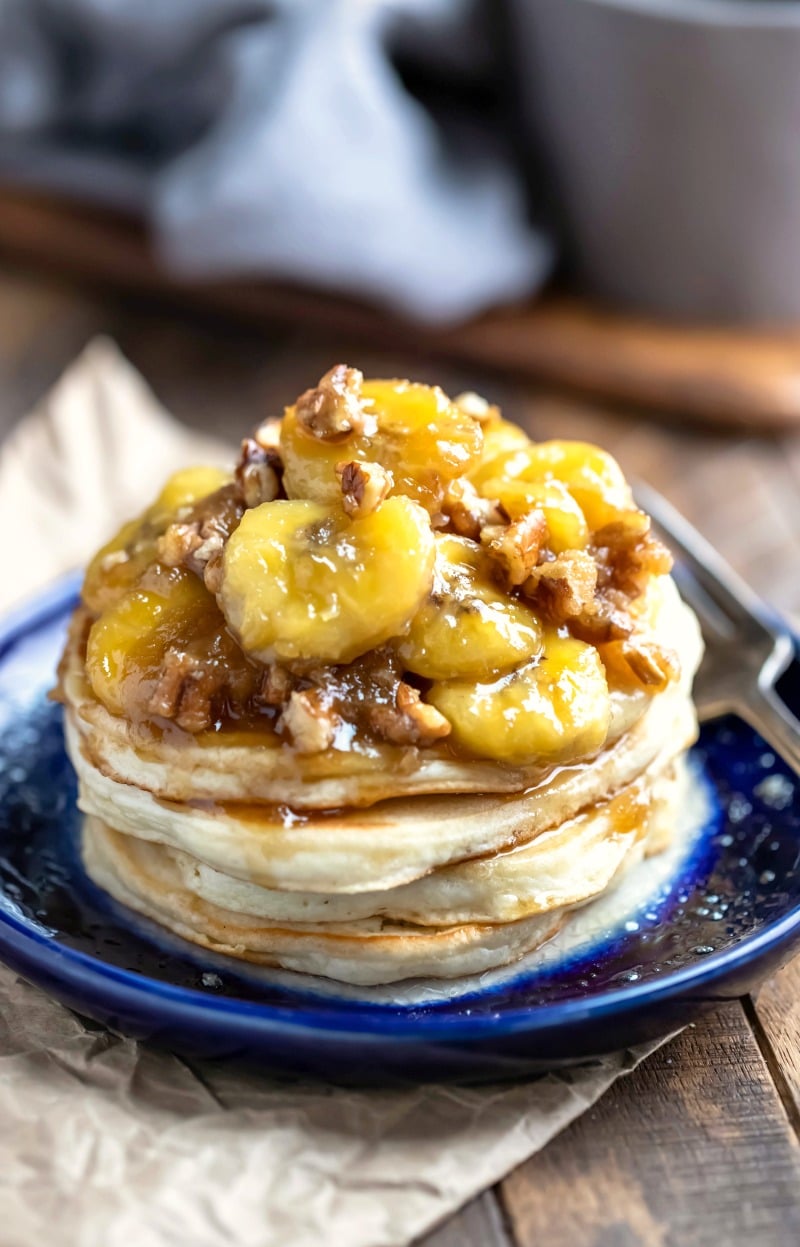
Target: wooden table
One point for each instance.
(699, 1146)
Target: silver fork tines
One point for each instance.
(748, 649)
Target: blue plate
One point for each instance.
(728, 915)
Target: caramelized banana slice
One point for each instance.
(186, 487)
(593, 477)
(500, 437)
(566, 524)
(117, 566)
(556, 709)
(412, 430)
(302, 582)
(120, 563)
(467, 626)
(127, 643)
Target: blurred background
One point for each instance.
(587, 209)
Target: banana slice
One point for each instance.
(593, 477)
(500, 437)
(556, 709)
(467, 627)
(120, 563)
(187, 486)
(301, 582)
(413, 430)
(566, 524)
(126, 645)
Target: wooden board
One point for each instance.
(705, 373)
(775, 1016)
(692, 1149)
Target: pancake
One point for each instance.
(390, 700)
(377, 949)
(563, 866)
(390, 843)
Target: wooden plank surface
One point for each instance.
(776, 1014)
(699, 1145)
(709, 373)
(693, 1149)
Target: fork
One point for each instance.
(748, 647)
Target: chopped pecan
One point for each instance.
(186, 690)
(630, 527)
(183, 545)
(410, 721)
(563, 588)
(258, 473)
(309, 722)
(474, 405)
(177, 545)
(514, 548)
(332, 409)
(268, 434)
(628, 556)
(212, 572)
(633, 663)
(197, 541)
(364, 486)
(601, 622)
(276, 685)
(166, 695)
(465, 512)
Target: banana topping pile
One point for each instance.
(385, 565)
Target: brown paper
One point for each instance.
(105, 1143)
(94, 452)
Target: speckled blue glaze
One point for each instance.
(729, 916)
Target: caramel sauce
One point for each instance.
(161, 655)
(630, 810)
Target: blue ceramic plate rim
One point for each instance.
(52, 960)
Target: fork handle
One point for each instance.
(764, 710)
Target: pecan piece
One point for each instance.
(364, 486)
(624, 532)
(410, 721)
(276, 685)
(309, 722)
(268, 434)
(176, 546)
(259, 473)
(514, 548)
(639, 664)
(475, 405)
(197, 541)
(628, 556)
(213, 572)
(466, 513)
(601, 622)
(183, 545)
(563, 588)
(332, 409)
(186, 690)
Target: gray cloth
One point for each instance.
(354, 145)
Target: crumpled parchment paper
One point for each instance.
(105, 1143)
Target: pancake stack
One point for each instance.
(379, 809)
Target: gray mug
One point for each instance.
(671, 130)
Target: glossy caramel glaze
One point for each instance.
(270, 609)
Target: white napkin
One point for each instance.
(278, 138)
(105, 1143)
